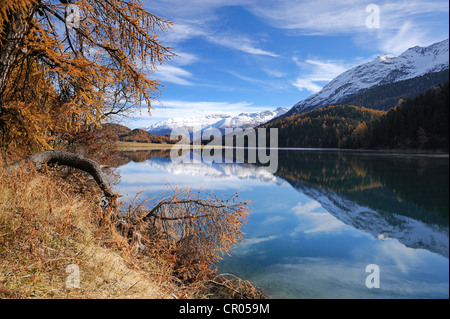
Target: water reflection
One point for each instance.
(323, 216)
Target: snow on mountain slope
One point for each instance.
(216, 121)
(412, 63)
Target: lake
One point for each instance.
(327, 223)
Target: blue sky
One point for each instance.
(251, 55)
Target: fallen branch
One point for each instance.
(69, 159)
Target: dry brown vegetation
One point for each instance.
(125, 134)
(48, 223)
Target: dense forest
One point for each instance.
(419, 123)
(326, 127)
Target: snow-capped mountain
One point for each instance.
(217, 121)
(414, 62)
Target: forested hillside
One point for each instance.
(420, 123)
(125, 134)
(329, 127)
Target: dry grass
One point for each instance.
(46, 225)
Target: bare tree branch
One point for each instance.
(72, 160)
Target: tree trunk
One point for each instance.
(17, 27)
(72, 160)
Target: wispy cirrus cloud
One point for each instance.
(402, 23)
(173, 72)
(233, 40)
(310, 17)
(341, 16)
(239, 42)
(181, 108)
(169, 109)
(261, 83)
(316, 73)
(184, 30)
(200, 107)
(199, 19)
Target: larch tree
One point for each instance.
(66, 63)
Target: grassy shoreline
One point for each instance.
(135, 146)
(138, 146)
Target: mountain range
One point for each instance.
(383, 70)
(379, 84)
(213, 122)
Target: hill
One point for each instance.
(326, 127)
(125, 134)
(419, 123)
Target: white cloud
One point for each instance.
(163, 109)
(173, 74)
(169, 109)
(308, 208)
(201, 107)
(399, 40)
(239, 42)
(315, 73)
(274, 73)
(341, 16)
(268, 84)
(311, 17)
(403, 24)
(198, 19)
(200, 10)
(256, 241)
(397, 10)
(182, 31)
(404, 258)
(319, 221)
(308, 85)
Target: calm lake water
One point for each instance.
(323, 217)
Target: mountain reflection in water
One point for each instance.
(386, 196)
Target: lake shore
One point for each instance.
(137, 146)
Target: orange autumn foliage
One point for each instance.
(56, 76)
